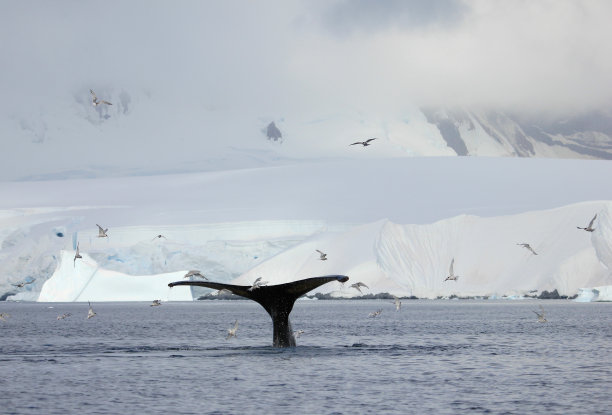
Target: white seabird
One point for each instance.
(77, 255)
(451, 273)
(541, 316)
(63, 316)
(375, 313)
(102, 232)
(95, 101)
(590, 227)
(90, 313)
(359, 284)
(156, 303)
(195, 273)
(257, 284)
(322, 255)
(364, 143)
(159, 237)
(527, 246)
(24, 283)
(398, 303)
(4, 316)
(232, 332)
(298, 333)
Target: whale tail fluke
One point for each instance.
(277, 300)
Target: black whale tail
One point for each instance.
(277, 300)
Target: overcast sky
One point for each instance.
(375, 56)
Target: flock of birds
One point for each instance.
(451, 274)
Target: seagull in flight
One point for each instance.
(451, 273)
(195, 273)
(232, 332)
(256, 284)
(541, 316)
(364, 143)
(322, 255)
(63, 316)
(95, 101)
(590, 227)
(359, 284)
(24, 283)
(375, 313)
(90, 313)
(102, 232)
(398, 303)
(527, 246)
(298, 333)
(159, 237)
(77, 255)
(156, 303)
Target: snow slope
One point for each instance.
(414, 259)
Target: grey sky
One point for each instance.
(304, 55)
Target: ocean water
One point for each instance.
(442, 357)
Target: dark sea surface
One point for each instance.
(436, 357)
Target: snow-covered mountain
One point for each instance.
(494, 133)
(68, 137)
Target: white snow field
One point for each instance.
(382, 221)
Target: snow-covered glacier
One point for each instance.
(414, 259)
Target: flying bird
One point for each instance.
(590, 227)
(4, 316)
(257, 284)
(541, 316)
(156, 303)
(322, 255)
(159, 237)
(398, 303)
(102, 232)
(95, 101)
(24, 283)
(451, 273)
(298, 333)
(364, 143)
(357, 285)
(90, 313)
(77, 255)
(195, 273)
(527, 246)
(232, 332)
(63, 316)
(375, 313)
